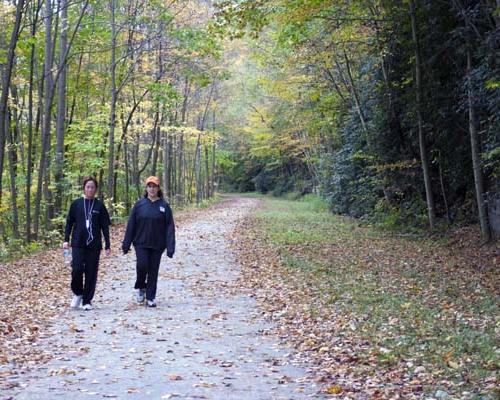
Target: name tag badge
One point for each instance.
(162, 209)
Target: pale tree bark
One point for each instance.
(421, 134)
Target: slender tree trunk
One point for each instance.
(355, 95)
(180, 169)
(29, 161)
(170, 163)
(46, 115)
(12, 152)
(156, 141)
(6, 79)
(77, 84)
(61, 108)
(476, 157)
(128, 205)
(213, 170)
(207, 174)
(166, 157)
(421, 135)
(112, 113)
(197, 169)
(443, 191)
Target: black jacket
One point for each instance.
(76, 224)
(151, 225)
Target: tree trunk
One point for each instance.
(355, 95)
(421, 135)
(29, 161)
(6, 79)
(207, 174)
(166, 156)
(197, 170)
(156, 141)
(180, 169)
(61, 108)
(112, 113)
(46, 115)
(170, 163)
(476, 157)
(12, 152)
(212, 191)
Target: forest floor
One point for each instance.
(264, 299)
(380, 315)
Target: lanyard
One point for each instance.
(88, 219)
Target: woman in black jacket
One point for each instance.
(151, 230)
(87, 218)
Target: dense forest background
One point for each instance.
(390, 110)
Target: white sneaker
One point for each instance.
(76, 301)
(151, 303)
(87, 307)
(140, 295)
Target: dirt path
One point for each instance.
(205, 340)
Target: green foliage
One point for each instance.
(163, 93)
(197, 42)
(336, 103)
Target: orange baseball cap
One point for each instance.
(153, 179)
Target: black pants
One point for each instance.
(85, 263)
(148, 264)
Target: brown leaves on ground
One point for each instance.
(35, 290)
(354, 348)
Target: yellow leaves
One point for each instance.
(62, 372)
(334, 390)
(204, 385)
(449, 362)
(324, 349)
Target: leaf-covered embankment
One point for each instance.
(378, 315)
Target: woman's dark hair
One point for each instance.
(160, 194)
(88, 179)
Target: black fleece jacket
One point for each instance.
(151, 225)
(75, 222)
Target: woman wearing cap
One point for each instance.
(87, 218)
(151, 230)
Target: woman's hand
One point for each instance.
(65, 245)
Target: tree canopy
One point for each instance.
(387, 109)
